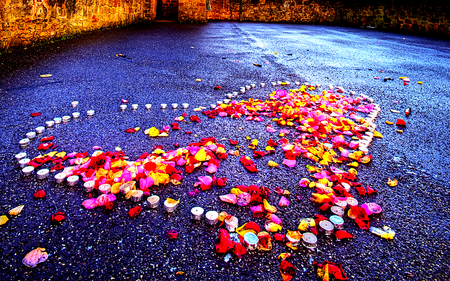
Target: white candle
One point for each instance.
(137, 195)
(148, 106)
(24, 162)
(75, 114)
(40, 129)
(153, 201)
(212, 217)
(50, 123)
(60, 177)
(231, 223)
(134, 106)
(163, 105)
(66, 118)
(42, 174)
(263, 85)
(89, 186)
(174, 105)
(73, 180)
(20, 156)
(74, 103)
(90, 112)
(24, 142)
(197, 213)
(123, 106)
(31, 135)
(185, 105)
(28, 170)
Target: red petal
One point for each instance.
(232, 142)
(279, 237)
(172, 234)
(130, 130)
(287, 270)
(39, 194)
(342, 234)
(50, 138)
(222, 182)
(371, 191)
(400, 122)
(135, 211)
(58, 217)
(360, 189)
(35, 114)
(239, 250)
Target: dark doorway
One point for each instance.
(167, 10)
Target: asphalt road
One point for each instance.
(162, 62)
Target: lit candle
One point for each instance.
(263, 85)
(74, 103)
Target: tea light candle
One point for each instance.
(248, 87)
(341, 204)
(327, 227)
(137, 195)
(31, 135)
(123, 107)
(352, 201)
(148, 106)
(213, 106)
(24, 162)
(338, 211)
(219, 102)
(74, 103)
(50, 123)
(40, 129)
(251, 241)
(253, 85)
(60, 177)
(273, 83)
(185, 105)
(163, 106)
(263, 85)
(331, 87)
(235, 94)
(352, 93)
(318, 86)
(57, 120)
(89, 186)
(227, 101)
(242, 90)
(230, 96)
(24, 142)
(231, 223)
(170, 207)
(20, 156)
(73, 180)
(42, 174)
(212, 217)
(297, 83)
(28, 170)
(66, 118)
(288, 83)
(75, 114)
(134, 106)
(309, 240)
(124, 188)
(197, 213)
(153, 201)
(337, 221)
(90, 112)
(279, 82)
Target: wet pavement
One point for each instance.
(162, 62)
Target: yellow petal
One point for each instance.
(377, 134)
(115, 188)
(420, 82)
(353, 164)
(272, 164)
(269, 208)
(198, 80)
(236, 191)
(46, 75)
(137, 128)
(153, 132)
(61, 154)
(393, 182)
(399, 131)
(270, 226)
(16, 210)
(389, 122)
(200, 155)
(51, 154)
(172, 201)
(3, 219)
(303, 226)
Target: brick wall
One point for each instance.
(192, 11)
(24, 22)
(422, 16)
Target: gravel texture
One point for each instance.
(161, 64)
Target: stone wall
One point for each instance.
(424, 16)
(24, 22)
(192, 11)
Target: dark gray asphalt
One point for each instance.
(166, 58)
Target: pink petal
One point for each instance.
(211, 169)
(206, 180)
(304, 182)
(243, 199)
(89, 203)
(283, 202)
(275, 219)
(289, 163)
(229, 198)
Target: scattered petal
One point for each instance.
(34, 257)
(16, 210)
